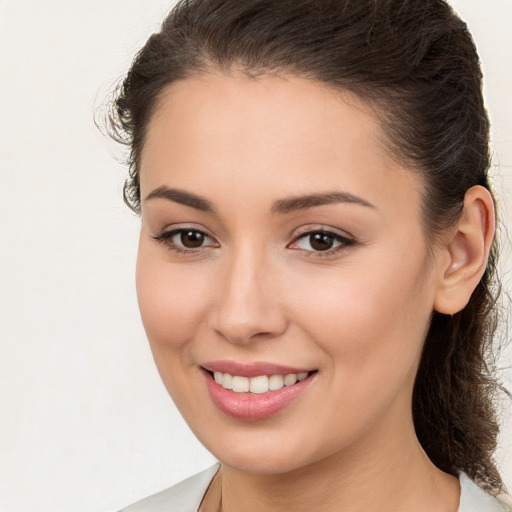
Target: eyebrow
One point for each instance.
(304, 202)
(182, 197)
(282, 206)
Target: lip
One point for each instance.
(252, 369)
(251, 406)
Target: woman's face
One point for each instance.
(278, 238)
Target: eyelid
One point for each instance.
(321, 228)
(165, 237)
(345, 239)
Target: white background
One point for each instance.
(85, 423)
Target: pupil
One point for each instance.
(321, 242)
(192, 239)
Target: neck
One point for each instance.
(394, 474)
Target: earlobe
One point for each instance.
(468, 249)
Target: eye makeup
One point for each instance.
(315, 242)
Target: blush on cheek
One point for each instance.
(364, 315)
(170, 303)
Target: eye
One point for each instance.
(321, 242)
(185, 239)
(189, 239)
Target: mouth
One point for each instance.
(256, 394)
(259, 384)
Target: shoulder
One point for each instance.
(185, 496)
(475, 499)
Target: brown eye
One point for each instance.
(185, 240)
(192, 239)
(321, 241)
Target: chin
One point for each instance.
(261, 465)
(265, 452)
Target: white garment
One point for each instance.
(187, 495)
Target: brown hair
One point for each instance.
(416, 63)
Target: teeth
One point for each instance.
(240, 384)
(275, 382)
(290, 379)
(257, 385)
(227, 381)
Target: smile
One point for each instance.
(254, 392)
(259, 384)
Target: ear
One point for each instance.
(467, 249)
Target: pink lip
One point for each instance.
(250, 406)
(252, 369)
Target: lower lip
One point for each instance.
(252, 406)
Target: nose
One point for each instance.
(246, 305)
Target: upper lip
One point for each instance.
(251, 369)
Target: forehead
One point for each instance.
(275, 109)
(281, 133)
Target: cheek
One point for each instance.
(171, 299)
(370, 318)
(371, 327)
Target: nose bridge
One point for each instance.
(246, 303)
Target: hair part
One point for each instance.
(415, 62)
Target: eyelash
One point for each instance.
(166, 236)
(344, 241)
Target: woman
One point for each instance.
(316, 258)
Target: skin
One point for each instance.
(257, 290)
